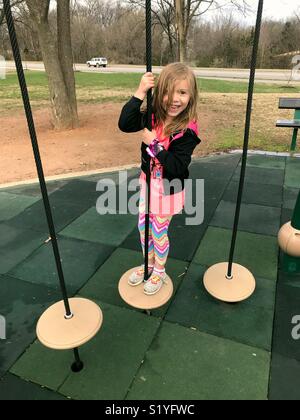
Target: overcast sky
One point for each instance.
(275, 9)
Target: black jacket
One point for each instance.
(176, 160)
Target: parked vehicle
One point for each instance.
(97, 62)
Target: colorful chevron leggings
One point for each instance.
(159, 244)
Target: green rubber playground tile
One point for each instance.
(286, 216)
(226, 159)
(255, 194)
(261, 176)
(218, 169)
(114, 176)
(290, 197)
(249, 322)
(258, 253)
(292, 174)
(21, 304)
(104, 284)
(17, 244)
(77, 192)
(289, 265)
(188, 365)
(268, 162)
(287, 319)
(88, 193)
(34, 217)
(105, 229)
(284, 379)
(35, 189)
(253, 218)
(80, 260)
(13, 388)
(43, 366)
(291, 278)
(11, 205)
(111, 359)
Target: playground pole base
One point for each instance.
(237, 289)
(56, 332)
(135, 296)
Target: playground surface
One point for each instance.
(193, 348)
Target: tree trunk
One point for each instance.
(181, 30)
(62, 111)
(65, 54)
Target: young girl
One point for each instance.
(169, 147)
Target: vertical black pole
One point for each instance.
(296, 216)
(247, 134)
(37, 156)
(77, 366)
(149, 126)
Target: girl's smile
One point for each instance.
(180, 100)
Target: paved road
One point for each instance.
(225, 74)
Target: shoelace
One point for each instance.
(155, 279)
(141, 270)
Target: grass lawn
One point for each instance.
(222, 105)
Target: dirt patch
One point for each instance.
(98, 142)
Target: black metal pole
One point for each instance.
(35, 146)
(247, 134)
(77, 366)
(296, 215)
(149, 126)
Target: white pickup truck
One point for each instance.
(97, 62)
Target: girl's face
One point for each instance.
(180, 100)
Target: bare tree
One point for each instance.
(65, 54)
(13, 5)
(176, 17)
(58, 60)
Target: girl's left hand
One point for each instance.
(148, 136)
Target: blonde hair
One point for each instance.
(166, 85)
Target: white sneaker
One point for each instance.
(137, 277)
(154, 284)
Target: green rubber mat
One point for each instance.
(109, 229)
(17, 244)
(258, 253)
(249, 322)
(111, 359)
(287, 317)
(292, 175)
(253, 218)
(21, 304)
(13, 388)
(34, 217)
(284, 379)
(268, 162)
(261, 176)
(183, 364)
(80, 260)
(290, 197)
(255, 194)
(12, 204)
(35, 189)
